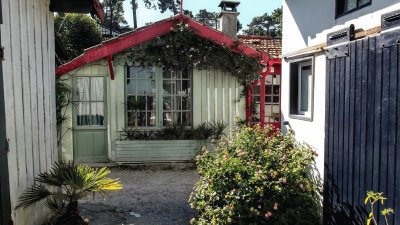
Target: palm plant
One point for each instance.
(64, 185)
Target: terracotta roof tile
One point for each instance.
(270, 46)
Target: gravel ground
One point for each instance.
(149, 197)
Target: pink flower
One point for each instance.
(268, 214)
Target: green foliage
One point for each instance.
(266, 25)
(135, 134)
(114, 15)
(257, 176)
(76, 32)
(65, 184)
(203, 132)
(376, 198)
(181, 49)
(210, 19)
(218, 128)
(63, 100)
(174, 132)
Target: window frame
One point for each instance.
(159, 100)
(338, 15)
(126, 95)
(294, 109)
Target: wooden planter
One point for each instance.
(142, 151)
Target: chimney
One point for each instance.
(228, 18)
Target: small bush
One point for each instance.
(257, 177)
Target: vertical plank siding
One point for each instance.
(362, 131)
(214, 95)
(27, 35)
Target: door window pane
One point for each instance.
(82, 89)
(97, 89)
(97, 115)
(89, 101)
(83, 114)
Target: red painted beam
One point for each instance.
(150, 32)
(111, 67)
(118, 45)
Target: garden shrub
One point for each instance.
(257, 176)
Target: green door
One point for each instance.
(90, 125)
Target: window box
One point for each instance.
(301, 88)
(159, 150)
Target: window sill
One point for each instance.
(301, 117)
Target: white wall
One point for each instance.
(27, 34)
(306, 23)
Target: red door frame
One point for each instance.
(274, 68)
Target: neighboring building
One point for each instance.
(27, 99)
(340, 94)
(206, 95)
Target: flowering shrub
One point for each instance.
(257, 177)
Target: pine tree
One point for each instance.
(266, 25)
(114, 16)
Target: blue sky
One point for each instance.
(248, 9)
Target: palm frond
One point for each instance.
(36, 193)
(54, 204)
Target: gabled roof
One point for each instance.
(270, 46)
(128, 40)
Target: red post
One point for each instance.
(181, 7)
(248, 106)
(111, 67)
(262, 100)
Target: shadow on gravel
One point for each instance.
(149, 197)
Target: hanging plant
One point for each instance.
(181, 49)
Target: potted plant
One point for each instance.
(63, 186)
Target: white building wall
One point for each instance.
(27, 34)
(306, 23)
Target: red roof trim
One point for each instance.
(150, 32)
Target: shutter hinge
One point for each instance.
(2, 56)
(7, 145)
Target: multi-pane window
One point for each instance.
(301, 88)
(345, 6)
(158, 97)
(141, 102)
(272, 99)
(89, 101)
(176, 97)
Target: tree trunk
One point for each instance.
(71, 216)
(134, 8)
(72, 208)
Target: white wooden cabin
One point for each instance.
(27, 101)
(103, 82)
